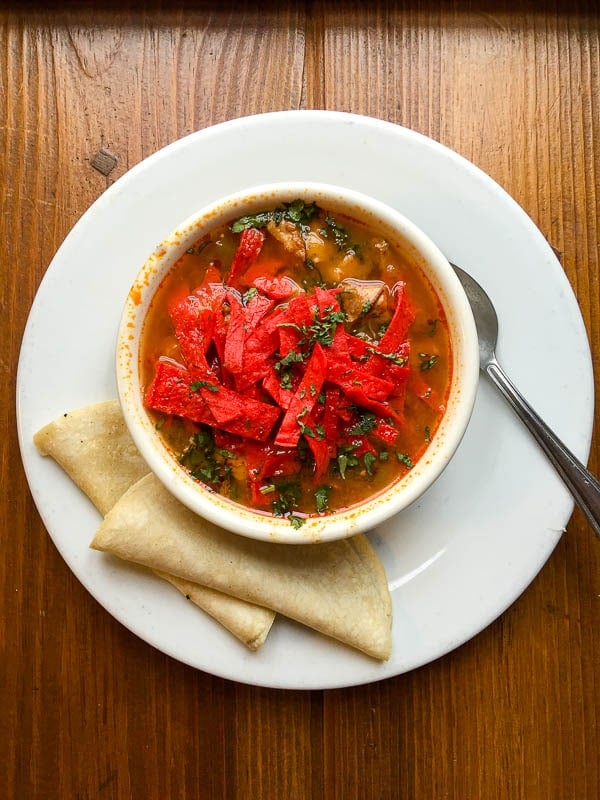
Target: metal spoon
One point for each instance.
(584, 487)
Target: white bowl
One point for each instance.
(363, 516)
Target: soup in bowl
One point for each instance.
(297, 362)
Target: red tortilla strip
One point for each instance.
(272, 384)
(402, 319)
(173, 391)
(251, 242)
(357, 383)
(319, 448)
(233, 354)
(191, 320)
(304, 399)
(276, 288)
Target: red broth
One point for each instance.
(296, 362)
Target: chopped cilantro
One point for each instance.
(322, 329)
(289, 497)
(400, 361)
(298, 212)
(369, 460)
(405, 459)
(345, 459)
(306, 430)
(259, 220)
(342, 461)
(292, 358)
(427, 433)
(427, 361)
(249, 294)
(322, 498)
(285, 380)
(197, 385)
(340, 234)
(220, 451)
(366, 422)
(205, 461)
(195, 251)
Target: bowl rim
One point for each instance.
(389, 501)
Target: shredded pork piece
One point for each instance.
(288, 235)
(361, 297)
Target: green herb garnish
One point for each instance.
(259, 220)
(321, 330)
(306, 430)
(427, 361)
(345, 459)
(249, 294)
(340, 234)
(289, 497)
(285, 380)
(298, 212)
(195, 251)
(405, 459)
(197, 385)
(366, 422)
(287, 361)
(369, 460)
(322, 498)
(205, 461)
(400, 361)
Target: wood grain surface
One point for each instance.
(87, 709)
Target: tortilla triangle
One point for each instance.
(93, 446)
(338, 588)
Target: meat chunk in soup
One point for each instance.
(288, 235)
(361, 298)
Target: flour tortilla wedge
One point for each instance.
(93, 446)
(338, 588)
(248, 622)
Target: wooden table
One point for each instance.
(90, 711)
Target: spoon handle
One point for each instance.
(584, 487)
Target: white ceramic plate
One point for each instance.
(460, 555)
